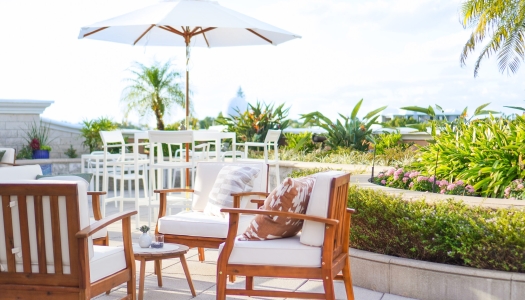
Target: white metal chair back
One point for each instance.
(272, 139)
(157, 138)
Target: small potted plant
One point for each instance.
(145, 238)
(37, 137)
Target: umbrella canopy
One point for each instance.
(195, 23)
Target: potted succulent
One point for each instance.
(145, 238)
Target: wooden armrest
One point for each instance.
(177, 190)
(100, 224)
(259, 202)
(351, 210)
(99, 193)
(264, 194)
(284, 214)
(237, 197)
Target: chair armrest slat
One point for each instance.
(178, 190)
(100, 224)
(264, 194)
(280, 214)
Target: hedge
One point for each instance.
(444, 232)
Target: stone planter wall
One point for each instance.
(432, 281)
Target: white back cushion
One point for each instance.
(8, 157)
(207, 173)
(84, 222)
(28, 172)
(313, 232)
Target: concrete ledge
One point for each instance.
(432, 281)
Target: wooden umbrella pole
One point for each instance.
(187, 38)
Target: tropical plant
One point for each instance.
(502, 22)
(516, 107)
(435, 123)
(154, 90)
(38, 136)
(299, 141)
(486, 153)
(91, 129)
(351, 133)
(253, 124)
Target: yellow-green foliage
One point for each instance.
(487, 153)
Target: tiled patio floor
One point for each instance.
(175, 285)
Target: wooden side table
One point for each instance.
(157, 255)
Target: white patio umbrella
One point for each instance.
(195, 23)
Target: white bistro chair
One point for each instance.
(127, 166)
(168, 165)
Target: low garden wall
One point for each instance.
(432, 281)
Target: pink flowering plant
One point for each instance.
(415, 181)
(515, 190)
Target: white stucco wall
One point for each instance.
(16, 115)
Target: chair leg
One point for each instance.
(201, 254)
(347, 278)
(328, 284)
(221, 286)
(249, 283)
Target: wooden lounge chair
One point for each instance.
(194, 228)
(295, 257)
(46, 250)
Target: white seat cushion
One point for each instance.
(106, 261)
(195, 223)
(312, 233)
(286, 252)
(99, 234)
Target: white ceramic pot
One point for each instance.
(145, 240)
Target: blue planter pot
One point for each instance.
(40, 154)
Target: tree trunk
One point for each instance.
(160, 122)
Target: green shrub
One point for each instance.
(393, 140)
(306, 172)
(443, 232)
(25, 153)
(391, 157)
(71, 152)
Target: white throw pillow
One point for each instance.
(231, 179)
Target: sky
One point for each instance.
(396, 53)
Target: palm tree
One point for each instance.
(153, 90)
(503, 21)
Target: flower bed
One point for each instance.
(413, 180)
